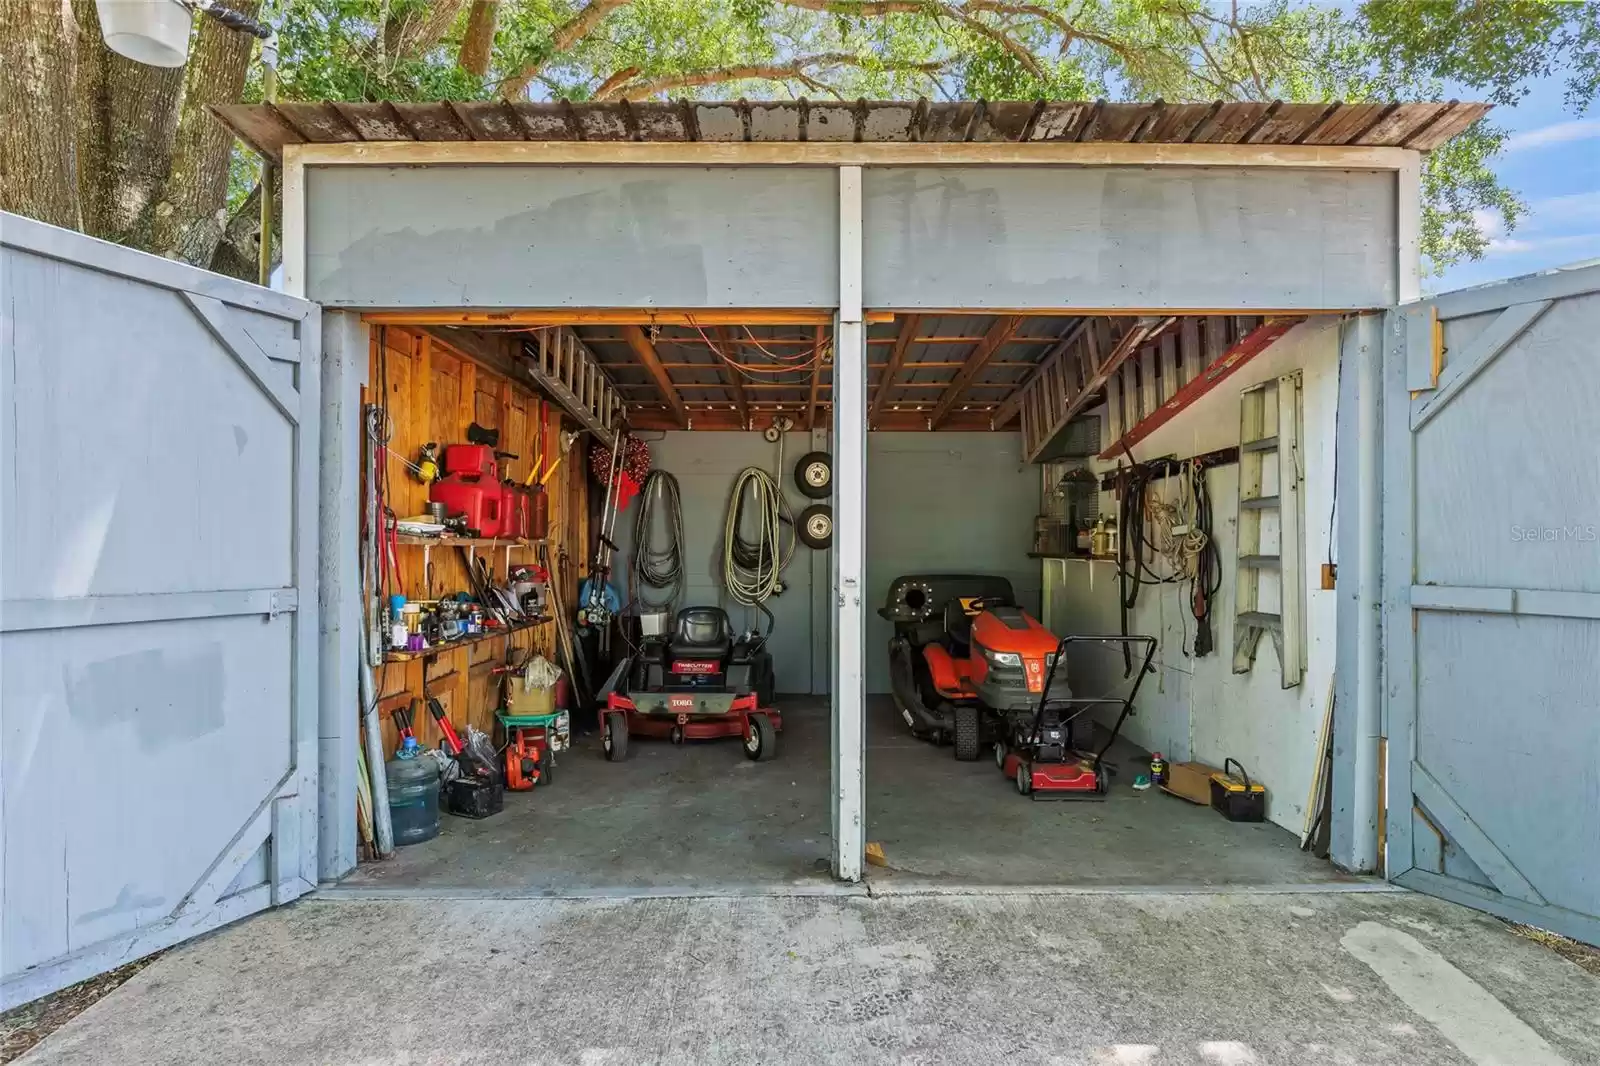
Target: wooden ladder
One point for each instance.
(1271, 543)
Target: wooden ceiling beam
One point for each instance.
(998, 334)
(821, 338)
(646, 353)
(732, 372)
(897, 358)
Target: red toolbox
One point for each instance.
(481, 501)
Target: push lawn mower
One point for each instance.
(1035, 747)
(696, 683)
(963, 656)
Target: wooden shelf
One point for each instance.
(464, 542)
(1074, 555)
(461, 642)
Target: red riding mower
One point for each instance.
(697, 683)
(1035, 747)
(963, 654)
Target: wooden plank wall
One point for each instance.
(433, 392)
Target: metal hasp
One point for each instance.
(1271, 551)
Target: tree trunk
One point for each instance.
(477, 45)
(237, 254)
(128, 122)
(38, 165)
(189, 218)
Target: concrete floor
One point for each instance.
(1241, 979)
(702, 818)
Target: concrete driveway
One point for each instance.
(1232, 978)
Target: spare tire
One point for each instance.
(813, 475)
(814, 527)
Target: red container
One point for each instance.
(481, 502)
(539, 519)
(471, 460)
(514, 506)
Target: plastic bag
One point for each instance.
(479, 748)
(539, 673)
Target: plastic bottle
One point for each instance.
(413, 795)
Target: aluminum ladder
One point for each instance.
(1270, 587)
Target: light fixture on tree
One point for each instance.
(156, 32)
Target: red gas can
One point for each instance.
(481, 502)
(514, 507)
(471, 460)
(539, 519)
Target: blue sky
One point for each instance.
(1553, 161)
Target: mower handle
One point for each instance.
(1126, 640)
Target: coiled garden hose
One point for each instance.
(658, 569)
(752, 571)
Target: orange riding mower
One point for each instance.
(969, 667)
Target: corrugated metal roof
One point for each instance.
(1424, 126)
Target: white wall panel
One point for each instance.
(525, 236)
(1169, 237)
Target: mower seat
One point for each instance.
(957, 628)
(701, 633)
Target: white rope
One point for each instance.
(1181, 550)
(756, 577)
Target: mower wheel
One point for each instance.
(968, 744)
(761, 742)
(1000, 755)
(814, 527)
(614, 738)
(813, 475)
(1024, 777)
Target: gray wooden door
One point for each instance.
(158, 625)
(1491, 562)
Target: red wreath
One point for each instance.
(635, 468)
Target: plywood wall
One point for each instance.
(432, 393)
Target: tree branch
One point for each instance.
(477, 44)
(794, 70)
(868, 8)
(1244, 49)
(615, 82)
(417, 31)
(1067, 30)
(962, 13)
(565, 36)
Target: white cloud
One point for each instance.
(1490, 223)
(1574, 207)
(1582, 129)
(1518, 246)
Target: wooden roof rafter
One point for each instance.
(740, 402)
(897, 357)
(1003, 329)
(646, 353)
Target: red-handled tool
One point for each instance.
(402, 724)
(452, 742)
